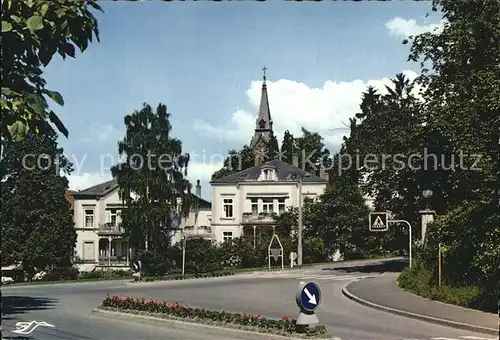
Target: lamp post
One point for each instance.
(300, 231)
(427, 194)
(427, 214)
(183, 238)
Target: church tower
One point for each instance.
(263, 138)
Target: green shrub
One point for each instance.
(421, 281)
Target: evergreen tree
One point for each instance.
(37, 224)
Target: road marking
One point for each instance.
(472, 337)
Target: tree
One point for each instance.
(37, 224)
(311, 151)
(340, 218)
(151, 180)
(287, 147)
(461, 95)
(32, 32)
(236, 161)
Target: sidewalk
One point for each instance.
(382, 292)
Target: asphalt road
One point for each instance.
(68, 307)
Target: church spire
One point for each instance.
(264, 121)
(263, 135)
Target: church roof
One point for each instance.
(105, 188)
(263, 123)
(284, 171)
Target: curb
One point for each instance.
(431, 319)
(207, 329)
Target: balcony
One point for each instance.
(203, 232)
(110, 229)
(260, 219)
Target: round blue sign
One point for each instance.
(309, 297)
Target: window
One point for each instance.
(267, 205)
(255, 206)
(113, 215)
(281, 206)
(227, 235)
(89, 218)
(228, 207)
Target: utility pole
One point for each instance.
(300, 231)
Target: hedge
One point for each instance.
(173, 277)
(286, 326)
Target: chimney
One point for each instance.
(198, 188)
(295, 159)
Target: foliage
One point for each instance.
(309, 147)
(236, 161)
(151, 180)
(37, 224)
(201, 256)
(169, 309)
(314, 250)
(461, 98)
(177, 276)
(160, 261)
(420, 280)
(32, 32)
(74, 275)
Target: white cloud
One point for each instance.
(102, 133)
(294, 105)
(403, 28)
(87, 180)
(202, 170)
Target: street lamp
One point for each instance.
(183, 239)
(427, 214)
(300, 227)
(427, 194)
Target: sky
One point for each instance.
(204, 61)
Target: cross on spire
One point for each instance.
(264, 70)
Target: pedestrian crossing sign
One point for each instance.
(379, 221)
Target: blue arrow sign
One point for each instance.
(309, 297)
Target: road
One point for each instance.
(68, 307)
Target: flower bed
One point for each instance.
(286, 326)
(185, 277)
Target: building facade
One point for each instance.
(244, 203)
(101, 241)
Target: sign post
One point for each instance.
(293, 257)
(379, 221)
(136, 267)
(276, 253)
(308, 299)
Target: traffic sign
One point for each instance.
(379, 221)
(137, 265)
(309, 297)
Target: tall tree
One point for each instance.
(32, 32)
(236, 161)
(287, 147)
(340, 217)
(37, 224)
(151, 180)
(311, 151)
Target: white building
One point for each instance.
(243, 202)
(100, 237)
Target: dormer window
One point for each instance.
(268, 174)
(262, 124)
